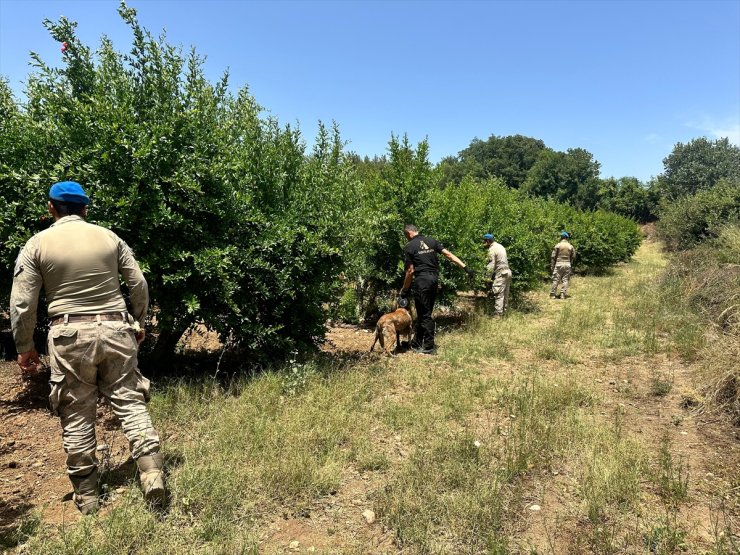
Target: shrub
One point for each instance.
(235, 225)
(458, 215)
(688, 221)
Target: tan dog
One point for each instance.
(393, 323)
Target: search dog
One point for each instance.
(394, 323)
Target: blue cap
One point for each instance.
(488, 237)
(564, 234)
(69, 191)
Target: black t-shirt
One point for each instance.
(422, 253)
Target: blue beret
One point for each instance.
(564, 234)
(488, 237)
(69, 191)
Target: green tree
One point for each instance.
(234, 224)
(627, 196)
(392, 193)
(452, 170)
(509, 158)
(693, 219)
(697, 165)
(571, 176)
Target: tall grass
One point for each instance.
(707, 278)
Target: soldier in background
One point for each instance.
(93, 340)
(500, 274)
(561, 262)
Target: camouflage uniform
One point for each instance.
(498, 269)
(562, 258)
(92, 340)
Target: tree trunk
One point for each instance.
(161, 357)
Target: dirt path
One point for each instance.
(32, 461)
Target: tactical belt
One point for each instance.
(112, 316)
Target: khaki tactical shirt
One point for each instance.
(563, 253)
(497, 259)
(77, 264)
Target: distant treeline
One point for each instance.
(572, 177)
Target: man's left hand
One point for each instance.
(29, 361)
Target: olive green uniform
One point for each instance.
(561, 262)
(498, 269)
(78, 264)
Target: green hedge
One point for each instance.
(691, 220)
(528, 227)
(234, 223)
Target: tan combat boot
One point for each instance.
(151, 474)
(86, 492)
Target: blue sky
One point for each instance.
(625, 80)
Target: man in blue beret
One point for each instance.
(499, 273)
(93, 339)
(561, 265)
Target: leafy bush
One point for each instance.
(628, 197)
(458, 215)
(688, 221)
(390, 192)
(234, 224)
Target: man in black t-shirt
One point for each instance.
(422, 267)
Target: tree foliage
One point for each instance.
(234, 224)
(509, 158)
(628, 197)
(697, 165)
(571, 176)
(459, 215)
(691, 220)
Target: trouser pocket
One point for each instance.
(57, 384)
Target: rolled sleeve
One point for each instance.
(134, 278)
(24, 296)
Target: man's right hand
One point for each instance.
(29, 361)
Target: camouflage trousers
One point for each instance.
(500, 292)
(92, 358)
(561, 273)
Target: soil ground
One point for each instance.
(32, 461)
